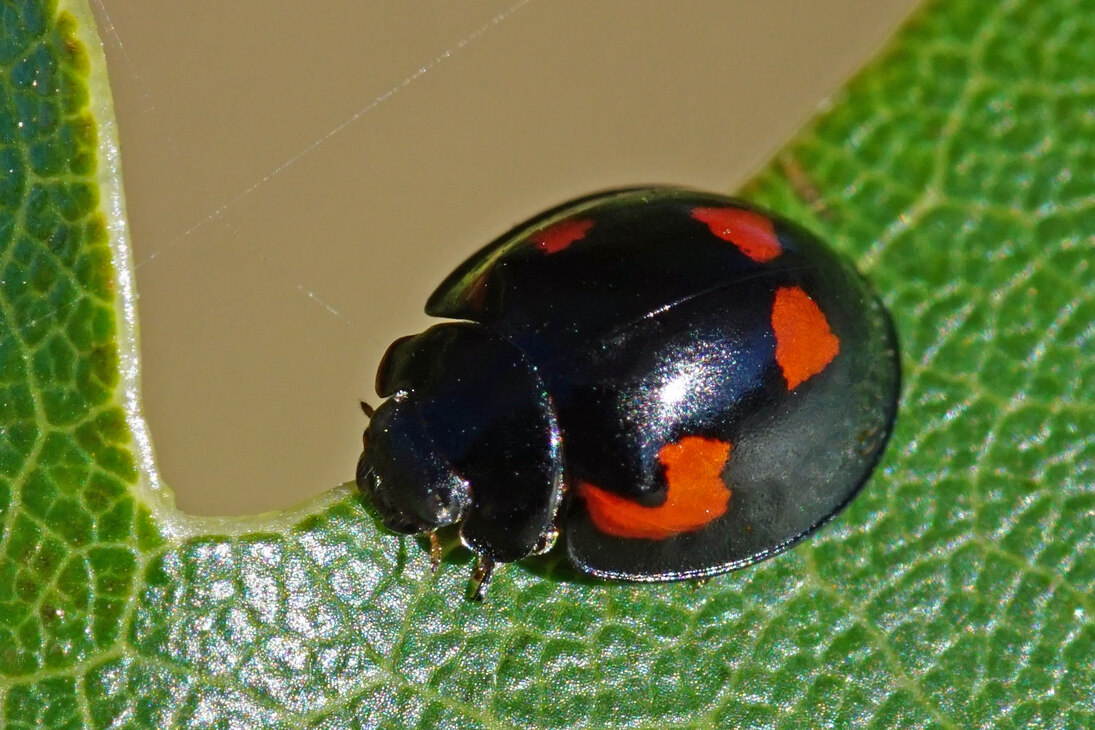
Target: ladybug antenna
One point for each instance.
(368, 410)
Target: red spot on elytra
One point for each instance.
(804, 343)
(751, 232)
(559, 236)
(696, 494)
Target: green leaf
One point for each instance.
(956, 592)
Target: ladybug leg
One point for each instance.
(435, 551)
(480, 578)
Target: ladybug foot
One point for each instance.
(435, 551)
(480, 578)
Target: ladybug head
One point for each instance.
(412, 487)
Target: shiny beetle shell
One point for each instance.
(675, 382)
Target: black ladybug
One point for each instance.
(678, 382)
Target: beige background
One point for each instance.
(301, 174)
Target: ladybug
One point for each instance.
(675, 382)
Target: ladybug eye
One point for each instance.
(443, 507)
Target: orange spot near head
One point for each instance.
(696, 494)
(559, 236)
(751, 232)
(804, 343)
